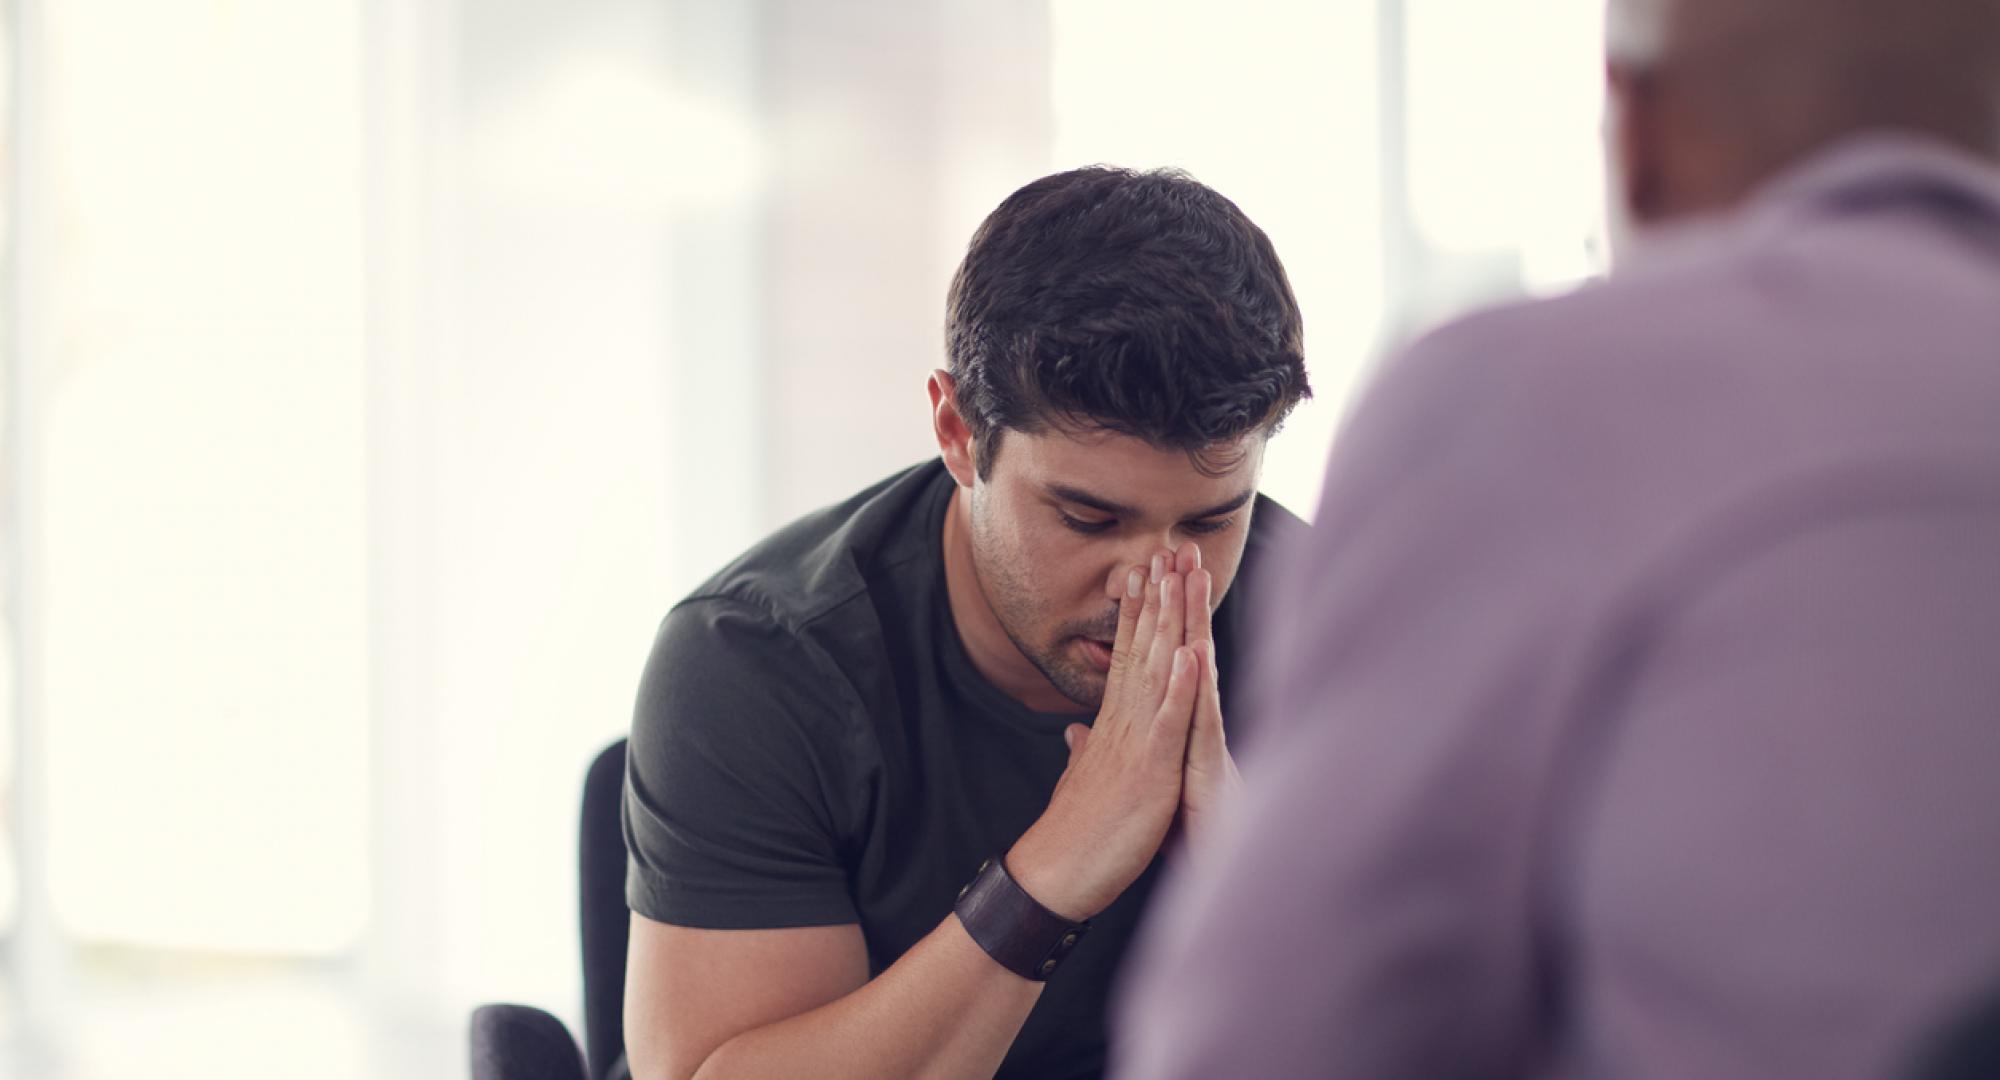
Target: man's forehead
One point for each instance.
(1108, 467)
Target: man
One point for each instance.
(1639, 706)
(869, 811)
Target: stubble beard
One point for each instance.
(1015, 607)
(1074, 679)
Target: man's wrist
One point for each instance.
(1042, 879)
(1012, 927)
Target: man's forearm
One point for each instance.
(945, 1009)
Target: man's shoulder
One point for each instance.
(1273, 522)
(794, 616)
(813, 566)
(1274, 531)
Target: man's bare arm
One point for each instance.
(719, 1003)
(783, 1003)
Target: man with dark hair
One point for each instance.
(910, 755)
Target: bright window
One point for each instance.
(9, 546)
(1493, 107)
(1504, 99)
(201, 508)
(1274, 106)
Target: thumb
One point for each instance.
(1075, 736)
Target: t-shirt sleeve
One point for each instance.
(737, 776)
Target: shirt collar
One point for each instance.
(1866, 169)
(1857, 172)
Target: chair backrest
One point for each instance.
(606, 921)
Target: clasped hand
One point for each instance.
(1156, 755)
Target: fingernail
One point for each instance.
(1135, 583)
(1159, 567)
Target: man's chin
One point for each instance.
(1085, 687)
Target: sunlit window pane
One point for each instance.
(1274, 105)
(201, 507)
(10, 884)
(9, 734)
(1503, 106)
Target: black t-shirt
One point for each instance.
(813, 747)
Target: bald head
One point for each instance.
(1731, 91)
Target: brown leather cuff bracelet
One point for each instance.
(1026, 938)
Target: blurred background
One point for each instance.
(377, 373)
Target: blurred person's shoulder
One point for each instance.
(1532, 350)
(1568, 415)
(1870, 240)
(1840, 320)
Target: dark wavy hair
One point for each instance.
(1137, 302)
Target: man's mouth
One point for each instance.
(1097, 652)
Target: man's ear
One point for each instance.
(954, 437)
(1633, 99)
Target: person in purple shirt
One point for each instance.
(1640, 709)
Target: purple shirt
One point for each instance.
(1639, 708)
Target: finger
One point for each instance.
(1207, 736)
(1131, 600)
(1187, 558)
(1170, 634)
(1144, 633)
(1201, 608)
(1075, 736)
(1176, 712)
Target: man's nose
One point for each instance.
(1138, 552)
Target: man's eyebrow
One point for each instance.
(1085, 498)
(1241, 500)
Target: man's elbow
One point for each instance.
(721, 1063)
(662, 1063)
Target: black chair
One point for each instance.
(520, 1042)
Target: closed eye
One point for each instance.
(1086, 527)
(1204, 528)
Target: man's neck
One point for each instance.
(993, 654)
